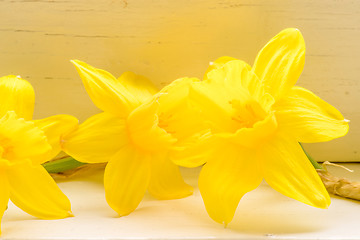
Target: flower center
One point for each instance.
(146, 134)
(5, 147)
(1, 151)
(6, 150)
(252, 124)
(164, 120)
(246, 114)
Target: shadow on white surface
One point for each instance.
(261, 214)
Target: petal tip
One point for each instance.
(325, 204)
(76, 62)
(293, 34)
(122, 212)
(294, 31)
(321, 201)
(70, 214)
(79, 64)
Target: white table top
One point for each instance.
(261, 214)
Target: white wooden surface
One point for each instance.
(261, 214)
(167, 39)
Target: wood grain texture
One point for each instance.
(167, 39)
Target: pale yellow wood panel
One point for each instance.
(164, 40)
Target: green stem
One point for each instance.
(68, 163)
(62, 165)
(313, 162)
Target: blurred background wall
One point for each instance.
(168, 39)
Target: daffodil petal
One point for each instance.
(309, 118)
(231, 172)
(97, 139)
(16, 95)
(288, 170)
(4, 192)
(280, 63)
(126, 179)
(174, 93)
(33, 190)
(238, 79)
(213, 99)
(178, 114)
(105, 90)
(194, 150)
(166, 181)
(218, 63)
(55, 128)
(144, 131)
(21, 139)
(140, 87)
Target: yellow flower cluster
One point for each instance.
(243, 123)
(24, 145)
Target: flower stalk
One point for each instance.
(316, 165)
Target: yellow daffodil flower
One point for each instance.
(135, 134)
(24, 146)
(257, 118)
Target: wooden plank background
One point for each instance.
(167, 39)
